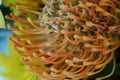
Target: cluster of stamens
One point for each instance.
(67, 39)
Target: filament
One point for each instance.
(66, 39)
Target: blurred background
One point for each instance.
(10, 65)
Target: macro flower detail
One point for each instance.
(12, 67)
(67, 39)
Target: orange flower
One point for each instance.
(67, 39)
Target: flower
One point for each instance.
(10, 65)
(13, 68)
(67, 39)
(13, 2)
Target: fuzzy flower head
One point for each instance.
(67, 39)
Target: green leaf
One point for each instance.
(2, 20)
